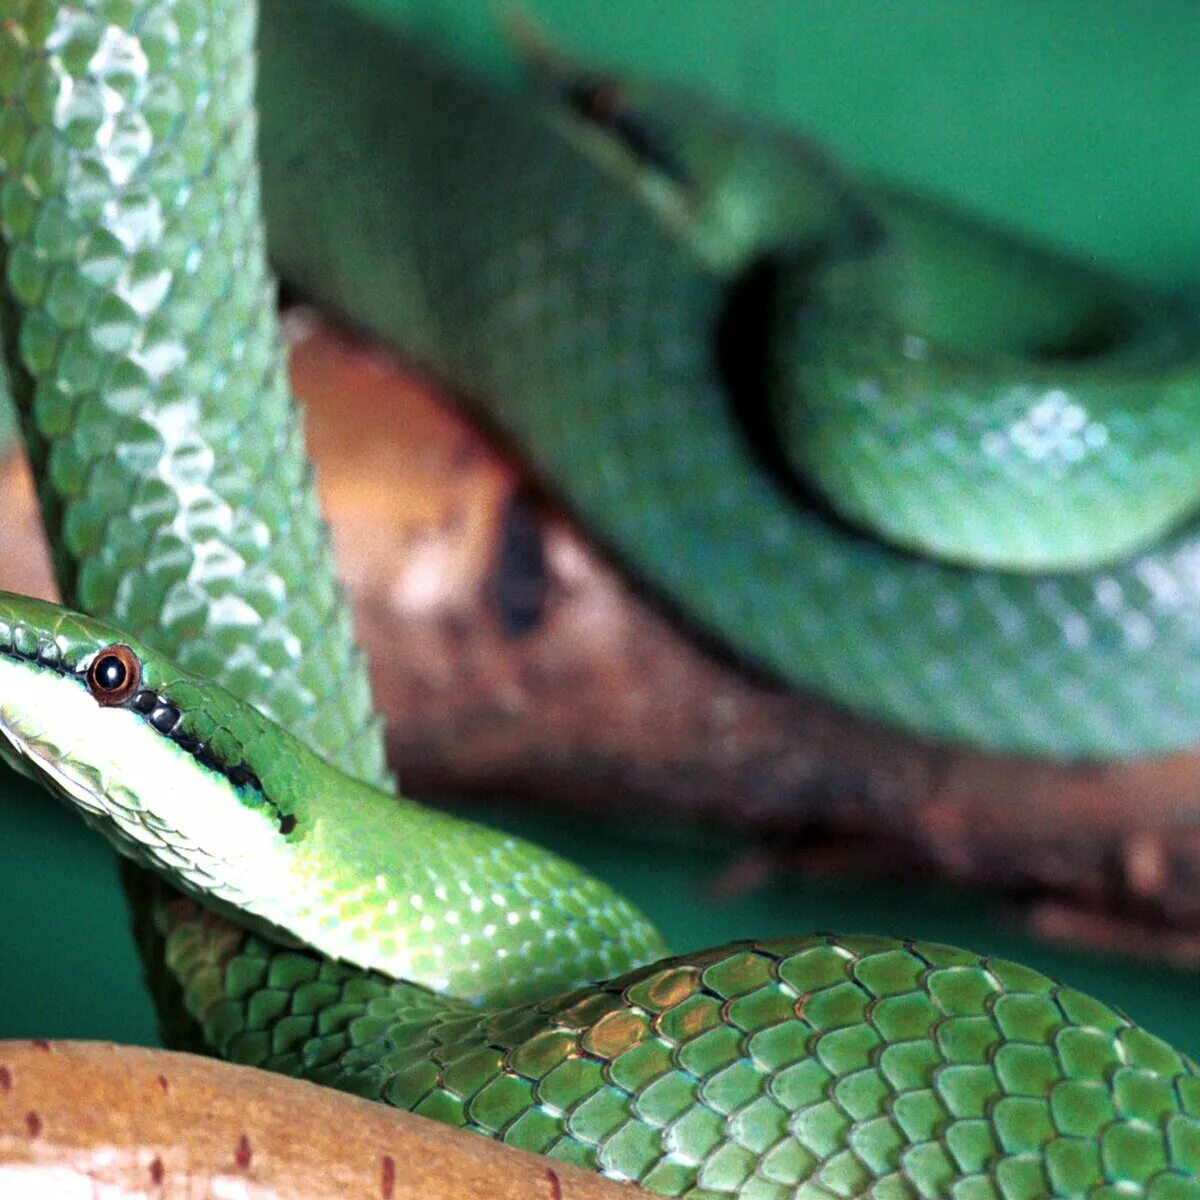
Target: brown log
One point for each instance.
(510, 655)
(90, 1119)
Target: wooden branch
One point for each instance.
(511, 656)
(85, 1119)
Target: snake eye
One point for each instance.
(114, 674)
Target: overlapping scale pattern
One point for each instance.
(816, 1067)
(144, 351)
(538, 283)
(141, 346)
(1009, 460)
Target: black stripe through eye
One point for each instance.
(159, 712)
(242, 776)
(164, 717)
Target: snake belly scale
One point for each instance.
(142, 351)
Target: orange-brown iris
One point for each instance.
(115, 674)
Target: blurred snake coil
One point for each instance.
(641, 292)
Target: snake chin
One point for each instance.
(82, 790)
(13, 758)
(37, 760)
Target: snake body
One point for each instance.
(808, 1066)
(141, 349)
(606, 328)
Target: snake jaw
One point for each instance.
(245, 819)
(75, 784)
(13, 756)
(149, 797)
(44, 763)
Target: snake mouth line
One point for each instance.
(154, 708)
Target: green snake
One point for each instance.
(403, 954)
(807, 1066)
(653, 296)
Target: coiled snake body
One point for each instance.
(972, 394)
(142, 351)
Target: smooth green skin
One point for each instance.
(551, 281)
(141, 347)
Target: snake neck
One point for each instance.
(183, 777)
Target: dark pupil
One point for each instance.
(110, 673)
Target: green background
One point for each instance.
(1076, 122)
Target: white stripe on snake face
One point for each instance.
(146, 794)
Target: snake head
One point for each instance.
(184, 778)
(157, 759)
